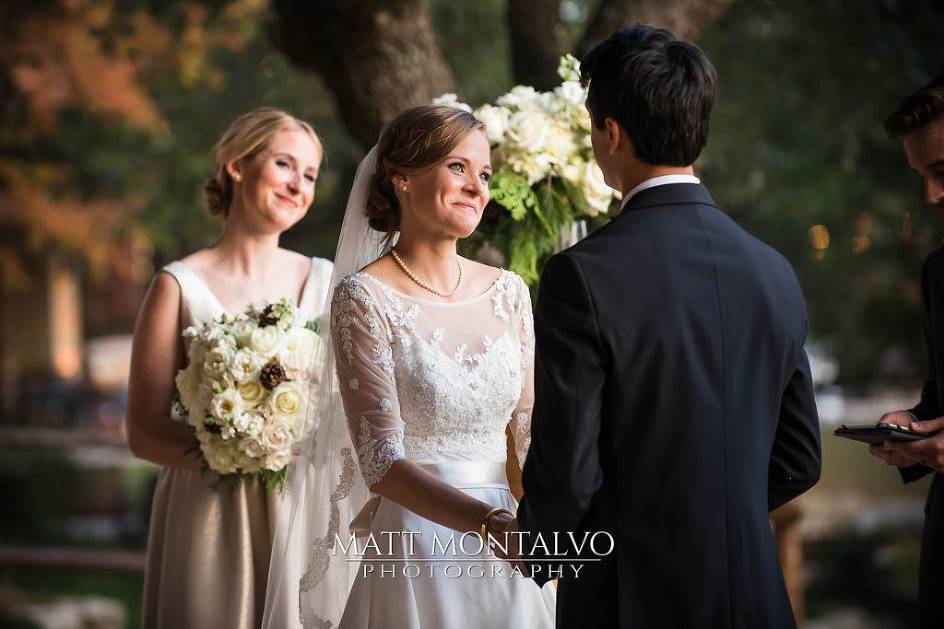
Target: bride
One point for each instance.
(433, 354)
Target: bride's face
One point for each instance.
(448, 199)
(277, 186)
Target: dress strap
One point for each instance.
(198, 303)
(316, 287)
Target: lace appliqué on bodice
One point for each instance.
(433, 382)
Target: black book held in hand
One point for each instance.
(877, 433)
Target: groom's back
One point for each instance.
(701, 327)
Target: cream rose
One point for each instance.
(277, 460)
(252, 447)
(495, 120)
(245, 366)
(595, 189)
(252, 393)
(287, 400)
(298, 350)
(276, 436)
(528, 130)
(266, 341)
(242, 330)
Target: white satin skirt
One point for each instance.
(415, 574)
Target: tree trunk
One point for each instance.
(377, 57)
(534, 27)
(685, 18)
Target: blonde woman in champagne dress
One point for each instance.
(208, 547)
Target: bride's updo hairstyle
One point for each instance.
(412, 143)
(246, 137)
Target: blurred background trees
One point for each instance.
(110, 110)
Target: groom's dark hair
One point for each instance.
(917, 109)
(659, 89)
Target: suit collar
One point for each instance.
(669, 194)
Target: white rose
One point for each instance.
(219, 455)
(534, 166)
(571, 92)
(521, 97)
(225, 405)
(252, 393)
(277, 460)
(188, 385)
(287, 401)
(451, 100)
(252, 447)
(246, 366)
(197, 412)
(596, 191)
(242, 329)
(560, 144)
(298, 351)
(528, 130)
(276, 436)
(495, 120)
(266, 341)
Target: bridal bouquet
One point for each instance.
(246, 387)
(545, 175)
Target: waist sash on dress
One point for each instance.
(459, 474)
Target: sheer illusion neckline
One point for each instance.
(299, 300)
(428, 302)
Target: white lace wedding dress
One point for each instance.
(437, 384)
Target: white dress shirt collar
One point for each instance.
(658, 181)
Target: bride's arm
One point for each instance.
(521, 416)
(368, 389)
(156, 354)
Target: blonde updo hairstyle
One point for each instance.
(412, 143)
(245, 138)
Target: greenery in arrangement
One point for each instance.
(545, 176)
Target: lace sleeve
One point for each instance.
(521, 416)
(365, 373)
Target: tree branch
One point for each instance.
(685, 18)
(376, 57)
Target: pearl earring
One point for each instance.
(238, 178)
(403, 187)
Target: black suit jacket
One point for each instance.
(674, 409)
(931, 578)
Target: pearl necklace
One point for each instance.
(421, 282)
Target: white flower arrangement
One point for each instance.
(246, 387)
(545, 175)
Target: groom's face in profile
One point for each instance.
(925, 150)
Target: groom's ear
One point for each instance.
(615, 137)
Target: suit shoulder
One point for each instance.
(935, 259)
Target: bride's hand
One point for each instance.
(502, 527)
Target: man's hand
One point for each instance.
(888, 454)
(930, 451)
(503, 527)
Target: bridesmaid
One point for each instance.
(208, 549)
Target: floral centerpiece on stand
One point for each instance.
(545, 177)
(245, 390)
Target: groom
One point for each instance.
(674, 406)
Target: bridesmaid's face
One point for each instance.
(448, 199)
(278, 185)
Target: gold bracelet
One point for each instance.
(488, 516)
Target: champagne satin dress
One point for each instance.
(208, 549)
